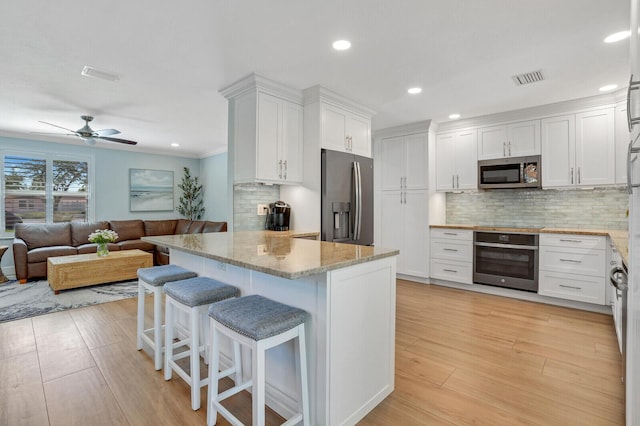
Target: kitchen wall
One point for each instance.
(213, 176)
(604, 208)
(246, 198)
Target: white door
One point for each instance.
(269, 127)
(392, 154)
(492, 142)
(391, 223)
(415, 160)
(558, 146)
(595, 148)
(445, 162)
(359, 130)
(292, 142)
(333, 128)
(415, 239)
(466, 158)
(524, 138)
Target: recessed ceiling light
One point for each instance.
(454, 116)
(175, 145)
(608, 87)
(341, 44)
(414, 90)
(88, 71)
(617, 37)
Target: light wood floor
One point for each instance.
(461, 358)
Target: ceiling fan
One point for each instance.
(88, 135)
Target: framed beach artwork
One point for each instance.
(150, 190)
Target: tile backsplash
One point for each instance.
(246, 198)
(604, 208)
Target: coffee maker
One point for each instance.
(278, 216)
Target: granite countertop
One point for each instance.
(275, 253)
(619, 237)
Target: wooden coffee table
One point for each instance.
(81, 270)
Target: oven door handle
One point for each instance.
(506, 246)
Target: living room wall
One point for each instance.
(111, 167)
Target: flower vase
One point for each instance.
(103, 250)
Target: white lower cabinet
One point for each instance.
(452, 255)
(573, 267)
(404, 219)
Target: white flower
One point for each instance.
(102, 236)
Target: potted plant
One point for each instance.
(190, 204)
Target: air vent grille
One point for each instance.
(528, 78)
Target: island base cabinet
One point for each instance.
(350, 335)
(582, 288)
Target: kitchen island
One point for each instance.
(349, 292)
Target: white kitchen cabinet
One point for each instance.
(404, 227)
(452, 255)
(345, 131)
(404, 162)
(573, 267)
(510, 140)
(279, 140)
(266, 131)
(456, 161)
(622, 138)
(578, 150)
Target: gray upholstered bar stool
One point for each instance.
(259, 324)
(153, 279)
(192, 296)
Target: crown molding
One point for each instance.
(318, 93)
(404, 129)
(536, 112)
(254, 82)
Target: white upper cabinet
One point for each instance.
(595, 148)
(266, 131)
(404, 162)
(345, 131)
(578, 150)
(511, 140)
(456, 161)
(622, 142)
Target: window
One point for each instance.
(45, 189)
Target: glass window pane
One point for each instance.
(70, 197)
(25, 183)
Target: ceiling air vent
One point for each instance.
(527, 78)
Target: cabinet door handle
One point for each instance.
(458, 181)
(572, 176)
(450, 233)
(450, 270)
(504, 149)
(571, 260)
(449, 249)
(453, 181)
(285, 169)
(280, 168)
(509, 148)
(570, 286)
(579, 176)
(400, 182)
(564, 240)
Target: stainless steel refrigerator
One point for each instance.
(347, 198)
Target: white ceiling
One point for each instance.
(174, 57)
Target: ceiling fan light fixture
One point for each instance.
(89, 141)
(88, 71)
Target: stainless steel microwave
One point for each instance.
(513, 172)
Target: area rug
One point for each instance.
(19, 301)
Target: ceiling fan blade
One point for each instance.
(117, 140)
(59, 127)
(54, 134)
(106, 132)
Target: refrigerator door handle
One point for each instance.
(358, 201)
(356, 190)
(631, 150)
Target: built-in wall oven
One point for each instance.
(506, 259)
